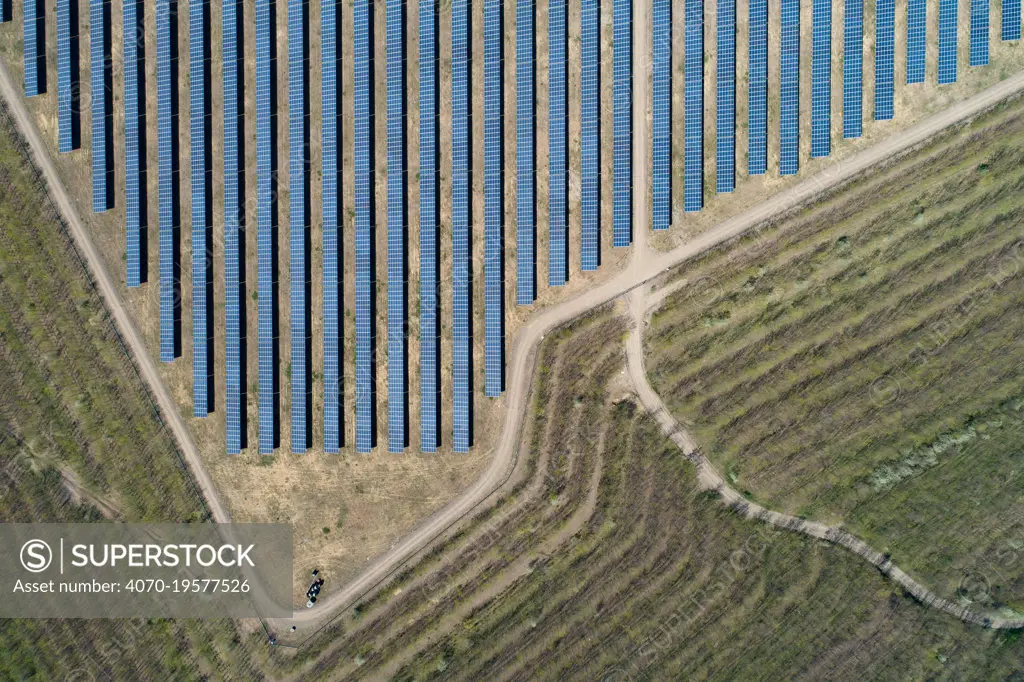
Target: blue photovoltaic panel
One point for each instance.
(298, 225)
(661, 115)
(101, 132)
(494, 199)
(133, 159)
(885, 31)
(526, 156)
(853, 68)
(622, 124)
(4, 14)
(65, 141)
(330, 192)
(757, 114)
(397, 351)
(462, 324)
(917, 29)
(821, 78)
(430, 306)
(789, 89)
(200, 243)
(366, 416)
(725, 124)
(265, 251)
(693, 172)
(947, 41)
(234, 246)
(558, 145)
(590, 134)
(165, 135)
(979, 32)
(33, 48)
(1011, 20)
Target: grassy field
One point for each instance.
(80, 440)
(860, 362)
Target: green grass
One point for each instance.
(861, 362)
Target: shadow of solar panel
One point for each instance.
(661, 115)
(558, 143)
(853, 68)
(821, 78)
(757, 108)
(526, 156)
(590, 134)
(979, 32)
(462, 329)
(789, 90)
(234, 246)
(725, 124)
(430, 347)
(947, 41)
(885, 35)
(494, 201)
(693, 142)
(622, 124)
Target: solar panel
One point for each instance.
(947, 41)
(885, 32)
(725, 108)
(558, 143)
(526, 156)
(298, 225)
(853, 68)
(265, 231)
(366, 397)
(757, 110)
(34, 50)
(197, 60)
(979, 32)
(65, 113)
(789, 90)
(590, 134)
(5, 15)
(165, 79)
(462, 324)
(430, 305)
(133, 154)
(821, 78)
(397, 351)
(234, 219)
(661, 114)
(622, 124)
(494, 198)
(693, 170)
(917, 28)
(102, 133)
(1011, 20)
(331, 191)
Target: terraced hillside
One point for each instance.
(860, 363)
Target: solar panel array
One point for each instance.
(33, 48)
(590, 134)
(298, 229)
(234, 251)
(366, 416)
(757, 111)
(430, 305)
(165, 143)
(789, 109)
(917, 30)
(330, 195)
(4, 14)
(1011, 20)
(558, 146)
(494, 200)
(821, 78)
(265, 251)
(622, 124)
(853, 68)
(526, 156)
(101, 123)
(693, 162)
(462, 323)
(65, 139)
(397, 351)
(979, 32)
(133, 158)
(661, 115)
(200, 244)
(725, 125)
(947, 41)
(885, 35)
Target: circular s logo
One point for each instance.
(36, 556)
